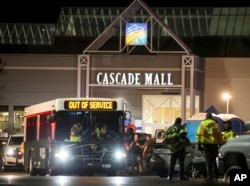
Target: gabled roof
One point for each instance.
(116, 29)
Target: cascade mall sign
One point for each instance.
(121, 78)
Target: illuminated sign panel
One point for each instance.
(136, 34)
(90, 105)
(118, 78)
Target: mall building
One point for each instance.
(165, 62)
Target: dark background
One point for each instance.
(47, 11)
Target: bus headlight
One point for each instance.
(118, 154)
(62, 154)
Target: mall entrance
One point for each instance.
(160, 111)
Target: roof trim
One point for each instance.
(116, 26)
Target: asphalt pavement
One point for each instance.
(14, 178)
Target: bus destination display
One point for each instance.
(90, 105)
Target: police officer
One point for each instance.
(177, 141)
(209, 138)
(228, 131)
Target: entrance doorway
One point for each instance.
(160, 111)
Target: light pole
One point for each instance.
(227, 96)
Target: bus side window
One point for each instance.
(52, 118)
(45, 127)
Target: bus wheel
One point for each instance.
(6, 168)
(52, 172)
(82, 172)
(32, 171)
(90, 173)
(112, 172)
(42, 172)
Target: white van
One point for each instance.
(12, 157)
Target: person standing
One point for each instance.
(176, 140)
(228, 132)
(148, 148)
(209, 138)
(136, 154)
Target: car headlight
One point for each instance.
(62, 154)
(119, 154)
(10, 152)
(220, 155)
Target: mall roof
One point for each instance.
(208, 31)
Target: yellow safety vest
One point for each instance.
(174, 142)
(208, 132)
(227, 135)
(98, 133)
(75, 135)
(75, 138)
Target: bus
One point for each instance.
(80, 136)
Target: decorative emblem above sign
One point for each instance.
(136, 34)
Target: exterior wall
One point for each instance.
(30, 79)
(228, 75)
(147, 64)
(133, 64)
(141, 64)
(132, 97)
(136, 64)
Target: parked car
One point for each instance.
(3, 142)
(12, 157)
(194, 165)
(234, 155)
(198, 166)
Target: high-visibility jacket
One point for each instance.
(75, 134)
(175, 136)
(98, 132)
(75, 138)
(208, 132)
(227, 135)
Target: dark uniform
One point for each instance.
(136, 154)
(148, 148)
(177, 141)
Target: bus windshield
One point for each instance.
(77, 126)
